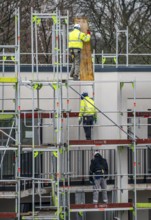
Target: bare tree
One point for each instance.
(103, 16)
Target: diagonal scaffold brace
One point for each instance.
(113, 122)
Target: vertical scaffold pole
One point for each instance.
(18, 108)
(117, 46)
(117, 37)
(127, 49)
(135, 159)
(32, 44)
(36, 49)
(33, 159)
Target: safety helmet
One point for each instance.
(77, 26)
(84, 94)
(96, 152)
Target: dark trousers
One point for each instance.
(87, 125)
(75, 69)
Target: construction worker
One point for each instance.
(98, 174)
(87, 114)
(76, 39)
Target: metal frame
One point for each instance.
(13, 81)
(59, 153)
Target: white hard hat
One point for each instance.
(77, 26)
(96, 152)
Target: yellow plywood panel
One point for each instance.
(8, 80)
(86, 66)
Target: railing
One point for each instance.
(100, 59)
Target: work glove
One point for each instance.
(91, 180)
(88, 32)
(80, 120)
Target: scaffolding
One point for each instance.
(54, 166)
(11, 135)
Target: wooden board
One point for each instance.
(86, 66)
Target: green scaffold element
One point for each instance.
(56, 115)
(114, 59)
(121, 85)
(36, 154)
(54, 18)
(36, 19)
(61, 150)
(8, 80)
(143, 205)
(54, 197)
(133, 85)
(6, 116)
(80, 214)
(132, 147)
(13, 58)
(55, 86)
(4, 58)
(59, 212)
(61, 216)
(103, 60)
(55, 154)
(37, 86)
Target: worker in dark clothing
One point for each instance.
(76, 39)
(87, 113)
(98, 174)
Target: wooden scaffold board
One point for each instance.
(86, 66)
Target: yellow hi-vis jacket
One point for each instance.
(86, 109)
(76, 39)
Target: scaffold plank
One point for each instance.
(47, 115)
(76, 114)
(39, 215)
(139, 114)
(8, 80)
(143, 205)
(7, 215)
(109, 142)
(101, 207)
(101, 142)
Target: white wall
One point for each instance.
(107, 99)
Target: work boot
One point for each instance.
(75, 78)
(71, 74)
(95, 203)
(105, 201)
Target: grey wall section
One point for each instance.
(7, 205)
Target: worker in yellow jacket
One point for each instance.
(88, 114)
(75, 44)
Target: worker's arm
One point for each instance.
(105, 167)
(91, 172)
(85, 37)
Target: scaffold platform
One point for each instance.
(100, 207)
